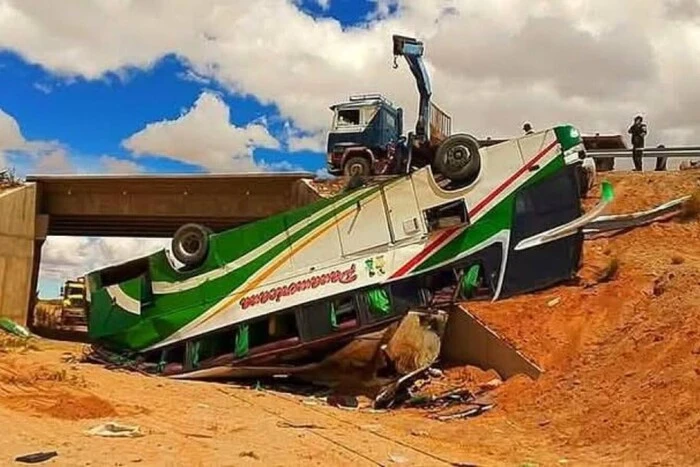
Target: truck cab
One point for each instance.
(365, 136)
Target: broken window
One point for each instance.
(326, 317)
(377, 304)
(343, 313)
(407, 294)
(349, 117)
(272, 331)
(446, 215)
(124, 272)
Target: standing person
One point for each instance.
(661, 160)
(527, 128)
(638, 130)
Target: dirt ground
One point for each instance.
(621, 382)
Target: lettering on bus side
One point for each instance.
(275, 295)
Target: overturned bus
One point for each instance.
(284, 288)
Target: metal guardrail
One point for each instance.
(684, 151)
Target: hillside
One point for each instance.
(622, 358)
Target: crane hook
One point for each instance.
(396, 65)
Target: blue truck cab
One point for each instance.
(365, 136)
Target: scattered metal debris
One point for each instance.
(115, 430)
(299, 425)
(605, 226)
(10, 326)
(36, 457)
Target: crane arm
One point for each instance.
(412, 50)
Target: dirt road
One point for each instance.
(47, 405)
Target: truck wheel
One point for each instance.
(458, 158)
(357, 166)
(191, 244)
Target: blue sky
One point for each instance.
(90, 118)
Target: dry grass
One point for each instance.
(10, 342)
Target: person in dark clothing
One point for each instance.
(527, 128)
(638, 130)
(661, 160)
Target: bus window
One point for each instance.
(326, 317)
(344, 313)
(446, 215)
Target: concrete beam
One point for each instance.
(155, 206)
(17, 251)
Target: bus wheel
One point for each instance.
(190, 244)
(458, 158)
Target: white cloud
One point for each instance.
(54, 162)
(204, 136)
(11, 138)
(297, 141)
(16, 150)
(281, 166)
(69, 257)
(323, 174)
(595, 63)
(115, 165)
(315, 143)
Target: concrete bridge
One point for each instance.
(126, 206)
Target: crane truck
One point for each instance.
(366, 133)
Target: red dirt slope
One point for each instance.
(622, 358)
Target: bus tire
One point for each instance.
(190, 244)
(458, 158)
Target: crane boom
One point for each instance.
(412, 50)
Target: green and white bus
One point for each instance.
(286, 286)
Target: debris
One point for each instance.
(554, 302)
(373, 427)
(69, 357)
(462, 414)
(299, 425)
(388, 396)
(470, 341)
(414, 345)
(36, 457)
(676, 260)
(342, 401)
(198, 435)
(115, 430)
(250, 454)
(614, 224)
(397, 459)
(493, 384)
(436, 372)
(14, 328)
(415, 432)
